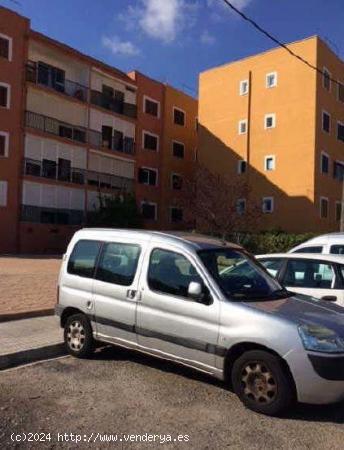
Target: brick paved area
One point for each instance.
(27, 284)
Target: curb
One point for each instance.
(26, 315)
(32, 355)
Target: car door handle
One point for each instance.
(131, 294)
(329, 298)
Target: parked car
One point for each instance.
(332, 243)
(204, 304)
(320, 276)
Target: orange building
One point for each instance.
(72, 127)
(276, 123)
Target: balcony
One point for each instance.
(122, 144)
(44, 75)
(111, 103)
(62, 171)
(53, 216)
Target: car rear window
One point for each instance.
(337, 249)
(83, 259)
(315, 249)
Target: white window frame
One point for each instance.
(322, 122)
(335, 210)
(271, 199)
(325, 70)
(7, 143)
(153, 169)
(176, 207)
(273, 157)
(181, 143)
(10, 45)
(274, 74)
(176, 108)
(242, 122)
(151, 204)
(267, 116)
(3, 204)
(321, 166)
(241, 85)
(321, 200)
(144, 132)
(171, 180)
(240, 172)
(146, 97)
(243, 201)
(8, 86)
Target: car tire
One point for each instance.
(78, 336)
(262, 383)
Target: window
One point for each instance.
(150, 141)
(242, 166)
(314, 249)
(148, 176)
(268, 205)
(176, 182)
(178, 149)
(176, 215)
(340, 131)
(325, 162)
(3, 193)
(338, 170)
(49, 168)
(244, 87)
(243, 126)
(341, 92)
(338, 212)
(270, 163)
(273, 266)
(270, 121)
(149, 210)
(178, 116)
(326, 79)
(326, 122)
(64, 169)
(323, 207)
(171, 273)
(5, 91)
(309, 274)
(118, 263)
(151, 107)
(83, 259)
(51, 76)
(241, 206)
(337, 250)
(5, 47)
(271, 80)
(4, 144)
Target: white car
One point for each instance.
(327, 244)
(319, 276)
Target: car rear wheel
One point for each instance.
(260, 381)
(78, 336)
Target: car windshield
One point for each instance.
(239, 276)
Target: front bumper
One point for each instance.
(319, 378)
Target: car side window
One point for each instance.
(273, 266)
(315, 249)
(309, 274)
(171, 273)
(82, 260)
(118, 263)
(337, 249)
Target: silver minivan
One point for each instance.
(206, 304)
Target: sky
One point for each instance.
(174, 40)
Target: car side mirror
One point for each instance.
(199, 293)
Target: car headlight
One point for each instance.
(320, 339)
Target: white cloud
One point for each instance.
(207, 38)
(161, 19)
(118, 47)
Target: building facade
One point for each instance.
(277, 124)
(71, 129)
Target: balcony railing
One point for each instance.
(35, 74)
(62, 172)
(79, 134)
(113, 104)
(54, 216)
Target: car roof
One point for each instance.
(189, 240)
(317, 256)
(325, 238)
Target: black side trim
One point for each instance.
(329, 368)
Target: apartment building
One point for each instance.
(275, 123)
(71, 129)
